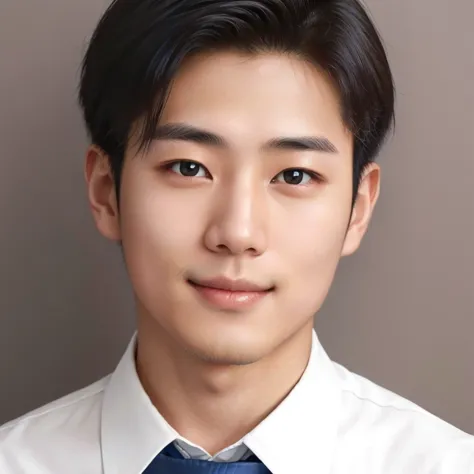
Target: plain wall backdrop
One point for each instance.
(401, 311)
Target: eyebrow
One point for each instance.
(190, 133)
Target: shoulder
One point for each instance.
(67, 425)
(399, 435)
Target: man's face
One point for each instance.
(256, 207)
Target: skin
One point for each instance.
(237, 218)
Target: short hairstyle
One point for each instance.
(139, 45)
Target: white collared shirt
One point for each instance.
(332, 422)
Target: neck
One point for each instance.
(213, 405)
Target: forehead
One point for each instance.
(252, 98)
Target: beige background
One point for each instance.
(401, 311)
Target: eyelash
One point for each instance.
(314, 176)
(168, 167)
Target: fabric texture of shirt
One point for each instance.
(332, 422)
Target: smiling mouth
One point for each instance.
(231, 295)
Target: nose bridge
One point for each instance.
(239, 221)
(241, 213)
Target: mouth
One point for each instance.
(225, 294)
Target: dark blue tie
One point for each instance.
(170, 461)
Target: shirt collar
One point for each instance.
(133, 432)
(298, 436)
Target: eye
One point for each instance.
(296, 176)
(189, 169)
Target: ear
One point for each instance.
(101, 193)
(367, 195)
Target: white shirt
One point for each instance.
(332, 422)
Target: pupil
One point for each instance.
(188, 168)
(293, 176)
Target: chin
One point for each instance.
(228, 357)
(231, 350)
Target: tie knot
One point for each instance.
(171, 461)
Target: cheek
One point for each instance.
(160, 230)
(157, 214)
(309, 244)
(312, 230)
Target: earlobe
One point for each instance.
(367, 196)
(101, 193)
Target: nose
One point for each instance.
(238, 223)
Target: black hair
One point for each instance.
(139, 45)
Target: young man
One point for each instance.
(232, 157)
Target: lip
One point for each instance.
(227, 294)
(223, 283)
